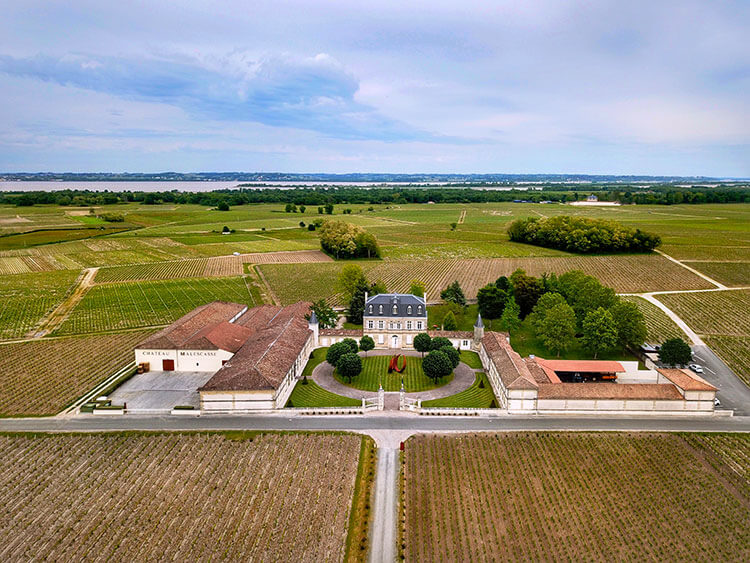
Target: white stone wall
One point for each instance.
(184, 360)
(237, 400)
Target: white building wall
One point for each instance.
(184, 360)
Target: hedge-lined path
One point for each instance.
(463, 378)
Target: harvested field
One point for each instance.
(577, 497)
(660, 326)
(26, 298)
(735, 351)
(234, 265)
(626, 274)
(715, 312)
(732, 274)
(196, 497)
(153, 271)
(29, 386)
(119, 306)
(218, 266)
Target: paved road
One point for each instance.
(385, 513)
(732, 393)
(374, 423)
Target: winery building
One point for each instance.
(256, 353)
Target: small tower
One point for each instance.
(313, 325)
(478, 330)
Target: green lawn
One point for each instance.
(375, 369)
(524, 341)
(471, 359)
(478, 396)
(318, 356)
(465, 318)
(313, 395)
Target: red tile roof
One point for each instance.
(465, 334)
(633, 391)
(685, 380)
(190, 330)
(268, 355)
(512, 369)
(582, 366)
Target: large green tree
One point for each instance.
(439, 342)
(558, 328)
(436, 365)
(417, 288)
(546, 302)
(675, 352)
(454, 294)
(526, 290)
(449, 321)
(336, 351)
(344, 240)
(630, 323)
(422, 343)
(599, 331)
(510, 319)
(491, 301)
(327, 317)
(452, 354)
(350, 278)
(366, 343)
(349, 365)
(352, 344)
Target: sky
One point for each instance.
(598, 87)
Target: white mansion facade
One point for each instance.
(392, 320)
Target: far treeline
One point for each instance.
(581, 234)
(321, 196)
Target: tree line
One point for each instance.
(581, 234)
(333, 195)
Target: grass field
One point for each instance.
(139, 304)
(576, 497)
(183, 497)
(525, 342)
(660, 326)
(31, 385)
(471, 359)
(313, 395)
(478, 396)
(375, 371)
(465, 318)
(27, 297)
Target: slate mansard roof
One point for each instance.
(402, 302)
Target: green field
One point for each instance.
(152, 303)
(478, 396)
(465, 317)
(375, 372)
(471, 359)
(660, 326)
(26, 298)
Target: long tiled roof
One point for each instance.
(194, 331)
(512, 369)
(606, 390)
(686, 381)
(351, 332)
(268, 355)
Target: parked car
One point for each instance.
(717, 403)
(696, 368)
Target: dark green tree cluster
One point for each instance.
(344, 240)
(577, 307)
(354, 285)
(675, 352)
(327, 317)
(454, 294)
(581, 234)
(343, 356)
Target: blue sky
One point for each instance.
(518, 87)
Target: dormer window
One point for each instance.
(380, 309)
(395, 309)
(408, 310)
(371, 309)
(419, 310)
